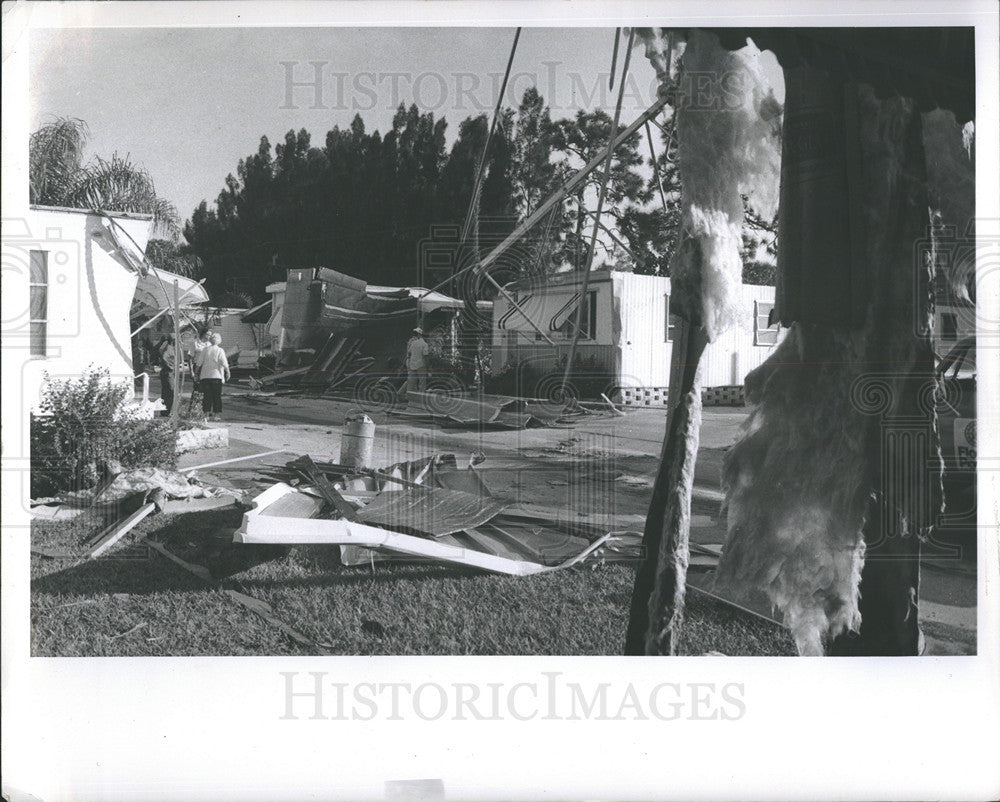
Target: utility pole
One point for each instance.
(176, 406)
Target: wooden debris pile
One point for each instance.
(338, 365)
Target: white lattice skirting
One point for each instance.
(730, 395)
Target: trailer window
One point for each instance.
(764, 333)
(564, 321)
(38, 302)
(670, 321)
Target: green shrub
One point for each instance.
(84, 425)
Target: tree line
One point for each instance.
(369, 203)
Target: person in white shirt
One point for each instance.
(201, 342)
(214, 371)
(416, 362)
(198, 347)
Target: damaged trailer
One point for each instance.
(333, 331)
(628, 334)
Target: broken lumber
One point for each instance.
(199, 571)
(234, 459)
(258, 606)
(118, 530)
(287, 374)
(327, 490)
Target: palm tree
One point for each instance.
(59, 177)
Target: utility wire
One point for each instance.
(583, 302)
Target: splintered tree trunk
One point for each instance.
(657, 607)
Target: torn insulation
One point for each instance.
(840, 449)
(729, 135)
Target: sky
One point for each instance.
(188, 103)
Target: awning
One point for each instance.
(259, 314)
(127, 249)
(426, 302)
(155, 291)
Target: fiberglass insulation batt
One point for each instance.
(819, 454)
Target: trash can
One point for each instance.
(357, 440)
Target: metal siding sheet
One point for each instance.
(431, 511)
(642, 306)
(728, 360)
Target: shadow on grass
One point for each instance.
(196, 537)
(203, 539)
(395, 608)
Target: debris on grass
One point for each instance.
(132, 631)
(425, 509)
(503, 412)
(108, 537)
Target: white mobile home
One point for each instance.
(627, 331)
(66, 306)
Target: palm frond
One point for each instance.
(119, 185)
(55, 158)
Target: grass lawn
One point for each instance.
(125, 604)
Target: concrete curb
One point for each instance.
(197, 439)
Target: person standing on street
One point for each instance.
(168, 364)
(416, 362)
(201, 343)
(198, 348)
(214, 371)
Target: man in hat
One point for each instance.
(416, 362)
